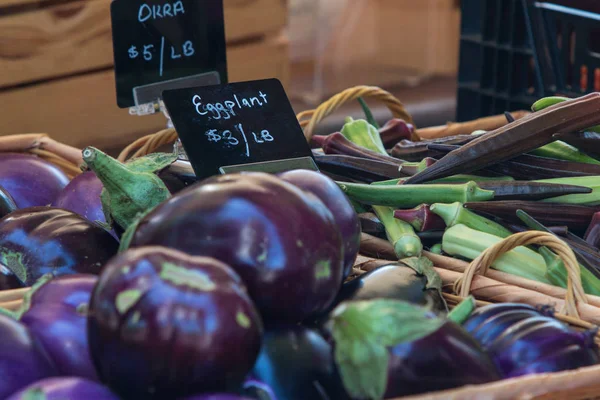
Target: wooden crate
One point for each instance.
(56, 66)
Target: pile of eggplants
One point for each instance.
(149, 284)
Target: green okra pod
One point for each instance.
(557, 273)
(468, 243)
(403, 196)
(455, 214)
(402, 236)
(563, 151)
(363, 134)
(589, 199)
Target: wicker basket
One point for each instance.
(573, 385)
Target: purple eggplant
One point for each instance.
(55, 314)
(389, 348)
(82, 196)
(445, 359)
(30, 180)
(178, 176)
(283, 241)
(22, 359)
(258, 390)
(297, 364)
(523, 340)
(66, 388)
(7, 203)
(39, 240)
(394, 281)
(163, 324)
(334, 198)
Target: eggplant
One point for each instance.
(394, 281)
(336, 201)
(82, 196)
(258, 390)
(446, 359)
(22, 359)
(30, 180)
(64, 388)
(39, 240)
(55, 314)
(7, 203)
(284, 242)
(523, 340)
(297, 364)
(178, 175)
(388, 348)
(163, 324)
(8, 280)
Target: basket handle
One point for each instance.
(480, 265)
(310, 118)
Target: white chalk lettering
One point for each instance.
(167, 10)
(147, 53)
(227, 109)
(173, 54)
(188, 48)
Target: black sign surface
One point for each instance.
(238, 123)
(160, 40)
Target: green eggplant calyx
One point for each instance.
(129, 189)
(13, 260)
(34, 394)
(424, 266)
(364, 330)
(26, 304)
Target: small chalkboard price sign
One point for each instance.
(234, 124)
(165, 40)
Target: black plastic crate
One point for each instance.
(512, 52)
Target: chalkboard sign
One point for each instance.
(238, 123)
(163, 40)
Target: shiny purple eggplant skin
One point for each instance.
(336, 201)
(82, 196)
(30, 180)
(39, 240)
(7, 203)
(55, 315)
(543, 344)
(297, 364)
(65, 388)
(178, 176)
(22, 359)
(282, 241)
(445, 359)
(163, 324)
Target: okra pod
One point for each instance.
(369, 223)
(516, 138)
(357, 168)
(400, 234)
(523, 190)
(557, 273)
(421, 218)
(576, 217)
(336, 143)
(564, 151)
(362, 133)
(468, 243)
(395, 130)
(416, 151)
(590, 199)
(436, 248)
(592, 234)
(550, 101)
(403, 196)
(588, 142)
(455, 214)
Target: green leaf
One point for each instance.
(363, 331)
(424, 266)
(368, 113)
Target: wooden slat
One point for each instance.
(82, 110)
(55, 41)
(64, 39)
(251, 18)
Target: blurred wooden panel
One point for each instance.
(82, 110)
(75, 37)
(55, 41)
(253, 18)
